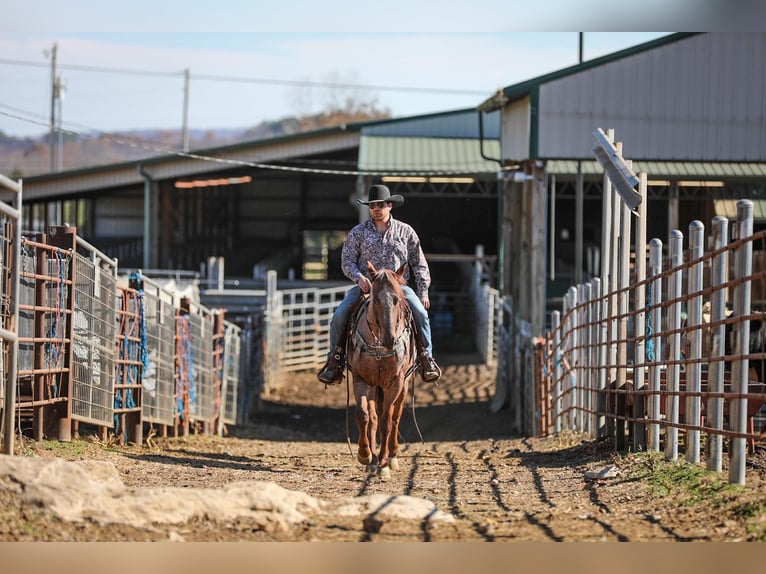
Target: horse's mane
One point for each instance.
(389, 277)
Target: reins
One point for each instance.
(380, 351)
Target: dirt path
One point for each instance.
(489, 485)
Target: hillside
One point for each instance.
(23, 157)
(27, 156)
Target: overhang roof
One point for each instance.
(427, 154)
(669, 169)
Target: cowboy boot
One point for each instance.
(430, 372)
(332, 372)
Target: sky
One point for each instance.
(252, 61)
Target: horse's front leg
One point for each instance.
(396, 417)
(366, 418)
(392, 396)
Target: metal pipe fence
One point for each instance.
(687, 379)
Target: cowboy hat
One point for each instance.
(381, 193)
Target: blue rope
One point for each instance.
(650, 355)
(52, 350)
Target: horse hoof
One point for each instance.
(394, 463)
(371, 468)
(365, 461)
(385, 473)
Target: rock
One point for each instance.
(610, 471)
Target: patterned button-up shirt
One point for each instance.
(399, 244)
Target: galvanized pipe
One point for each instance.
(743, 268)
(674, 353)
(655, 315)
(720, 273)
(694, 321)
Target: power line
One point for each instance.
(136, 143)
(250, 80)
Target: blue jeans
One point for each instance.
(340, 318)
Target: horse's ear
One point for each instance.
(400, 271)
(372, 269)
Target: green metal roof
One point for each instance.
(669, 169)
(419, 154)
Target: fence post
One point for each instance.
(11, 327)
(720, 273)
(272, 335)
(674, 354)
(596, 379)
(557, 370)
(654, 342)
(743, 268)
(573, 367)
(623, 299)
(694, 320)
(639, 323)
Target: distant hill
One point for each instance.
(24, 157)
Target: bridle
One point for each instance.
(376, 348)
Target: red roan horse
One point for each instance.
(381, 353)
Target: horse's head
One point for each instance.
(387, 303)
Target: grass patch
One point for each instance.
(692, 485)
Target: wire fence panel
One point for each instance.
(157, 404)
(195, 391)
(93, 340)
(231, 372)
(44, 319)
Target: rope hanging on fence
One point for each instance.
(650, 355)
(53, 349)
(186, 391)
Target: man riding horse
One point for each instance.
(387, 243)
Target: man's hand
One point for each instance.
(426, 301)
(364, 285)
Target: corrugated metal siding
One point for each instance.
(701, 98)
(516, 130)
(411, 154)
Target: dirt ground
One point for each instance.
(496, 487)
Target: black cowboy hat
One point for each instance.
(381, 193)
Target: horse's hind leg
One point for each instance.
(393, 436)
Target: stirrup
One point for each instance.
(332, 372)
(430, 372)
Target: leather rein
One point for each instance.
(380, 351)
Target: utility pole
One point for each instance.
(185, 130)
(52, 132)
(59, 92)
(579, 207)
